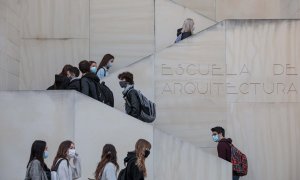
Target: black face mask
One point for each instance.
(123, 84)
(147, 153)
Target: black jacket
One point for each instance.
(89, 85)
(184, 35)
(74, 85)
(132, 103)
(132, 171)
(61, 82)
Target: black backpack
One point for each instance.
(123, 172)
(105, 95)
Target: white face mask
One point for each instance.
(72, 153)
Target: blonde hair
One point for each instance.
(140, 147)
(188, 25)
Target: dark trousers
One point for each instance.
(235, 177)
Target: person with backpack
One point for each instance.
(93, 67)
(104, 65)
(62, 167)
(135, 162)
(136, 104)
(36, 167)
(89, 80)
(186, 30)
(74, 79)
(132, 103)
(62, 79)
(108, 166)
(228, 152)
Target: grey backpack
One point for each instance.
(148, 111)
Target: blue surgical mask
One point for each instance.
(215, 138)
(93, 69)
(46, 154)
(109, 64)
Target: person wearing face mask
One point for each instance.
(93, 67)
(36, 167)
(74, 79)
(104, 65)
(132, 102)
(224, 146)
(89, 81)
(135, 160)
(62, 79)
(69, 167)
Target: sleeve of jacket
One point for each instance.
(110, 171)
(223, 151)
(85, 86)
(63, 170)
(135, 103)
(35, 170)
(76, 171)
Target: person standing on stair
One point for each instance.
(62, 79)
(224, 146)
(74, 79)
(104, 65)
(132, 103)
(67, 161)
(108, 166)
(36, 167)
(186, 30)
(136, 168)
(89, 80)
(93, 67)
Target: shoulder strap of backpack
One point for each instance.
(104, 72)
(58, 163)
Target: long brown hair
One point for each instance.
(106, 58)
(109, 154)
(62, 151)
(140, 147)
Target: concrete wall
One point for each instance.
(181, 160)
(124, 29)
(219, 10)
(54, 33)
(186, 107)
(55, 116)
(257, 9)
(59, 32)
(263, 98)
(9, 44)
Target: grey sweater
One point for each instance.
(109, 172)
(35, 171)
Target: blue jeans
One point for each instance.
(235, 177)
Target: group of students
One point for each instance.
(67, 165)
(69, 76)
(89, 84)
